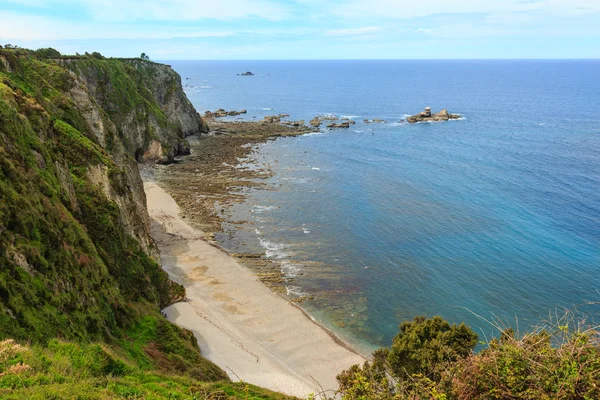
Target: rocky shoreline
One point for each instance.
(209, 180)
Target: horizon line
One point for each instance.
(375, 59)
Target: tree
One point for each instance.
(144, 56)
(419, 355)
(423, 345)
(48, 52)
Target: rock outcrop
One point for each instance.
(315, 122)
(247, 73)
(220, 113)
(428, 116)
(344, 125)
(274, 119)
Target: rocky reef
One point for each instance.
(428, 116)
(220, 113)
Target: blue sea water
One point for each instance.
(496, 216)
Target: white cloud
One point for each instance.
(353, 31)
(184, 10)
(18, 27)
(410, 9)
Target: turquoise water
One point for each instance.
(493, 216)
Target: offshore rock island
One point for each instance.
(428, 116)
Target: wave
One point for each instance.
(316, 168)
(312, 134)
(206, 87)
(289, 269)
(261, 209)
(295, 291)
(274, 250)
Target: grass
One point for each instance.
(65, 370)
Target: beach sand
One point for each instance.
(252, 333)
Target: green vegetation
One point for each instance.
(64, 370)
(429, 359)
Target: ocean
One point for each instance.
(493, 220)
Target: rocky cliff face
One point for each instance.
(76, 259)
(146, 102)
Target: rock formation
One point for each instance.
(222, 113)
(427, 116)
(275, 119)
(346, 124)
(247, 73)
(315, 122)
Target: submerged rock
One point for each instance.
(374, 121)
(427, 116)
(247, 73)
(333, 125)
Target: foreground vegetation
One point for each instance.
(66, 370)
(430, 359)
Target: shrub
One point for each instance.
(429, 359)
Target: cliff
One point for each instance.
(76, 258)
(144, 100)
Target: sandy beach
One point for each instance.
(252, 333)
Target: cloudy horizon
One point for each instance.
(308, 29)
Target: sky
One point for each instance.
(307, 29)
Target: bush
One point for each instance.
(564, 364)
(429, 359)
(48, 52)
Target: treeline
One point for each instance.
(48, 53)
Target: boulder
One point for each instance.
(271, 119)
(315, 122)
(442, 116)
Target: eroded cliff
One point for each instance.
(76, 258)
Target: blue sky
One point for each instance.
(307, 29)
